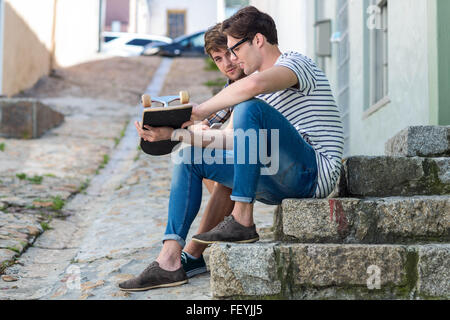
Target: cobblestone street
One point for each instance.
(82, 207)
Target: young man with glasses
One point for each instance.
(286, 97)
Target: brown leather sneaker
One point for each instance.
(155, 277)
(229, 230)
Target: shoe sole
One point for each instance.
(166, 285)
(195, 272)
(212, 242)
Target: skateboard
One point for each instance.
(164, 115)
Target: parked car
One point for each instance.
(129, 44)
(188, 46)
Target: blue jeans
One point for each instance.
(291, 173)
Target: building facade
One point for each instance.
(37, 36)
(172, 18)
(387, 61)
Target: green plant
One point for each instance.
(219, 82)
(13, 249)
(105, 161)
(36, 179)
(21, 176)
(45, 226)
(58, 203)
(2, 147)
(84, 185)
(210, 65)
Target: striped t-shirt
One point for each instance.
(311, 109)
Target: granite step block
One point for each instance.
(382, 176)
(373, 220)
(329, 271)
(420, 141)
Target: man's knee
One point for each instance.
(248, 108)
(187, 155)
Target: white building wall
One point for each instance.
(200, 15)
(408, 76)
(291, 19)
(76, 40)
(1, 44)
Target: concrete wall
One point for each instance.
(200, 15)
(31, 35)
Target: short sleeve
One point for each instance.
(302, 68)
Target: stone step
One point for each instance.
(24, 118)
(420, 141)
(371, 220)
(329, 271)
(383, 176)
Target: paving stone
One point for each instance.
(14, 245)
(420, 141)
(372, 220)
(6, 255)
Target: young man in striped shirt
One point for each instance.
(294, 117)
(294, 97)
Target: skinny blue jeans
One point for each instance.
(261, 133)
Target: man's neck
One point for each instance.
(270, 56)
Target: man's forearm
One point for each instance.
(218, 139)
(235, 93)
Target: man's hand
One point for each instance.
(153, 134)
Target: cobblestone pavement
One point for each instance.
(111, 230)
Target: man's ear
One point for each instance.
(259, 40)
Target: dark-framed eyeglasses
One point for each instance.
(237, 45)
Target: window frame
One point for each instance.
(172, 11)
(379, 76)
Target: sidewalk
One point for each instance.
(116, 223)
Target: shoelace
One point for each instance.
(226, 221)
(183, 257)
(150, 267)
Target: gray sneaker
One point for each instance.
(229, 230)
(155, 277)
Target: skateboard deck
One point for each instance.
(165, 115)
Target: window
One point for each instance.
(378, 59)
(108, 38)
(199, 40)
(139, 42)
(176, 23)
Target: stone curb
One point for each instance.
(373, 220)
(329, 271)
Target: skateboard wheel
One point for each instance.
(146, 101)
(184, 97)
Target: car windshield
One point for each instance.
(181, 38)
(139, 42)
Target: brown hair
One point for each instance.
(215, 39)
(249, 21)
